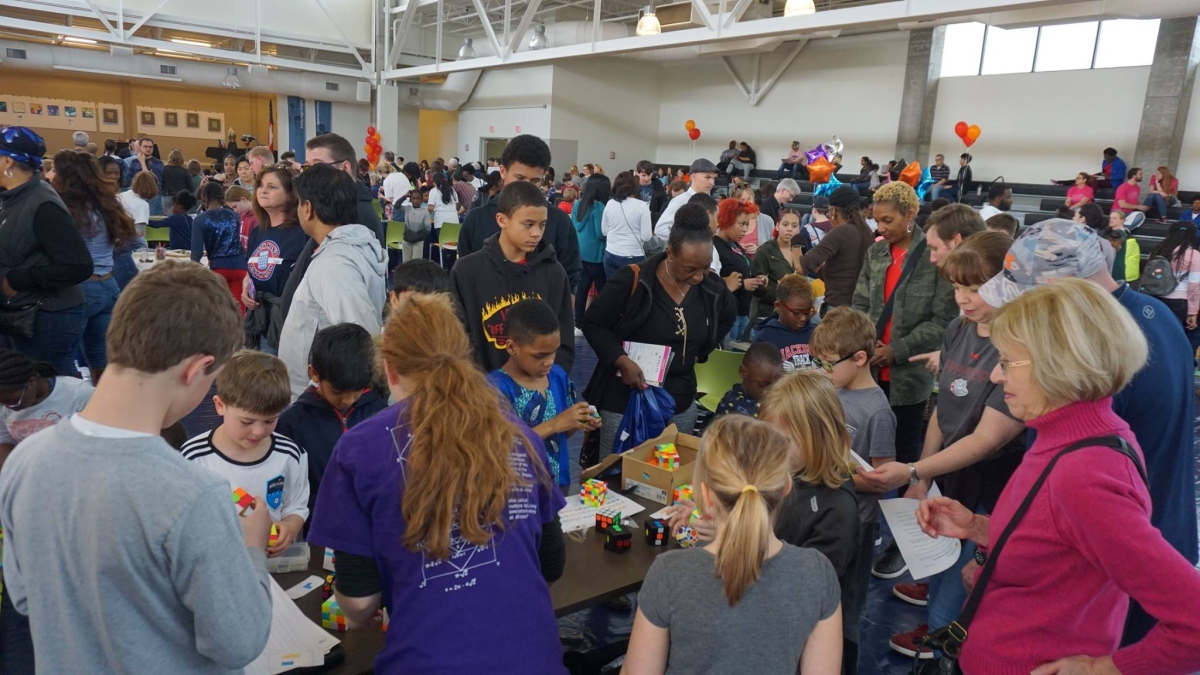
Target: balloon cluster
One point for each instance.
(820, 170)
(826, 189)
(911, 174)
(830, 150)
(968, 134)
(692, 131)
(373, 149)
(922, 188)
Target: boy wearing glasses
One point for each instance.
(790, 329)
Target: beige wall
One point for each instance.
(439, 135)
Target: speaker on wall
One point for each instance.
(363, 94)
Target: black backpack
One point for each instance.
(1158, 277)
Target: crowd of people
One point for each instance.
(391, 408)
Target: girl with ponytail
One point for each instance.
(441, 509)
(746, 602)
(34, 398)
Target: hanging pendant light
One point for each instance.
(799, 7)
(648, 24)
(231, 80)
(414, 98)
(538, 41)
(466, 51)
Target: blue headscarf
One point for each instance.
(23, 145)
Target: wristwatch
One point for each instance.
(980, 556)
(913, 478)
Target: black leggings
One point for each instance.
(910, 428)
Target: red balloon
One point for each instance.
(961, 129)
(694, 134)
(968, 141)
(370, 131)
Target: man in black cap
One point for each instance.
(704, 177)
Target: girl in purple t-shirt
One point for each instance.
(442, 510)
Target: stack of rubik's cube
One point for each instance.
(682, 492)
(666, 456)
(332, 617)
(594, 492)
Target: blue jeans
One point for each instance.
(592, 273)
(101, 296)
(946, 592)
(736, 332)
(16, 643)
(789, 169)
(936, 191)
(950, 193)
(1158, 206)
(265, 347)
(612, 263)
(55, 336)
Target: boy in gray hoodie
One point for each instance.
(346, 281)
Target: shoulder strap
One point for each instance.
(637, 275)
(1115, 442)
(914, 256)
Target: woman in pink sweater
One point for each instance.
(1057, 599)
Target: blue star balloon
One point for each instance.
(925, 184)
(826, 189)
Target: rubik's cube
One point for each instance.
(667, 456)
(594, 492)
(683, 492)
(274, 535)
(618, 539)
(332, 617)
(243, 499)
(656, 532)
(327, 589)
(606, 520)
(686, 536)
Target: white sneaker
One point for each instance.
(578, 333)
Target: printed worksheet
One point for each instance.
(925, 556)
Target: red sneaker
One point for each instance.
(906, 643)
(913, 594)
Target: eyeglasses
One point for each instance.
(20, 401)
(827, 366)
(1005, 365)
(797, 312)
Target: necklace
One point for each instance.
(673, 282)
(680, 318)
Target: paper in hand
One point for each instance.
(925, 556)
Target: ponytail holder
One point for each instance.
(749, 488)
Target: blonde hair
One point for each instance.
(385, 169)
(144, 185)
(256, 382)
(743, 463)
(842, 332)
(807, 409)
(1083, 344)
(900, 196)
(460, 459)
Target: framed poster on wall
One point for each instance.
(110, 115)
(171, 119)
(214, 125)
(193, 120)
(148, 118)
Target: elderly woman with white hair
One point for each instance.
(1070, 541)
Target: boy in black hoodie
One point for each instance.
(340, 363)
(514, 264)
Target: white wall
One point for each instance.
(1188, 170)
(847, 86)
(609, 106)
(302, 19)
(505, 103)
(1038, 126)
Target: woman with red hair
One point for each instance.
(734, 218)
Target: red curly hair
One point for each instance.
(729, 209)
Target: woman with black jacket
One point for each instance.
(672, 299)
(43, 259)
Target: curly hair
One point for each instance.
(899, 195)
(86, 191)
(729, 209)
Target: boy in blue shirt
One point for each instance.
(179, 222)
(761, 367)
(540, 391)
(790, 328)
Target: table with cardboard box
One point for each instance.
(592, 575)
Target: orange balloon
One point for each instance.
(973, 132)
(689, 125)
(911, 174)
(820, 170)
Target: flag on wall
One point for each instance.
(271, 125)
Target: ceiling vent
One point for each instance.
(166, 70)
(15, 53)
(332, 86)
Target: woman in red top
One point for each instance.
(1164, 193)
(567, 203)
(1058, 597)
(1080, 193)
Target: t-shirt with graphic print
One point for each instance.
(538, 407)
(965, 389)
(271, 256)
(280, 477)
(68, 396)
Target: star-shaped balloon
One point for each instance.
(826, 189)
(924, 185)
(816, 154)
(821, 170)
(911, 174)
(833, 147)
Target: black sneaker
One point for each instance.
(891, 564)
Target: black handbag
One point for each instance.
(19, 321)
(949, 640)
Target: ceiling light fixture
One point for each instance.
(194, 43)
(538, 41)
(231, 80)
(799, 8)
(648, 24)
(414, 98)
(466, 51)
(76, 40)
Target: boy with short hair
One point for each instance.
(790, 328)
(131, 581)
(761, 367)
(238, 199)
(515, 263)
(340, 365)
(540, 391)
(417, 276)
(179, 223)
(245, 450)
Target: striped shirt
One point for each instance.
(280, 477)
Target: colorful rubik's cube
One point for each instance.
(327, 589)
(686, 536)
(328, 563)
(667, 456)
(332, 617)
(594, 492)
(618, 539)
(656, 532)
(274, 535)
(243, 499)
(682, 492)
(607, 520)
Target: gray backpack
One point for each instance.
(1158, 277)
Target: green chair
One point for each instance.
(394, 235)
(716, 376)
(158, 234)
(448, 239)
(378, 207)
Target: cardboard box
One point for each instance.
(654, 483)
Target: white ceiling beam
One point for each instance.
(515, 41)
(706, 16)
(349, 45)
(787, 61)
(882, 14)
(96, 13)
(736, 15)
(736, 80)
(142, 21)
(406, 23)
(487, 26)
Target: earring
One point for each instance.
(8, 172)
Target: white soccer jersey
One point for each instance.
(280, 478)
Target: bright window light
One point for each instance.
(1066, 47)
(962, 48)
(1008, 51)
(1126, 42)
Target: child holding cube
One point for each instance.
(761, 367)
(769, 606)
(538, 389)
(252, 392)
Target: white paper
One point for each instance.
(305, 587)
(652, 359)
(925, 556)
(579, 516)
(294, 638)
(661, 514)
(861, 462)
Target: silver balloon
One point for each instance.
(833, 146)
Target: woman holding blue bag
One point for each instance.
(672, 300)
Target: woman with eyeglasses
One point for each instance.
(973, 443)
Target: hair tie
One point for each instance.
(749, 488)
